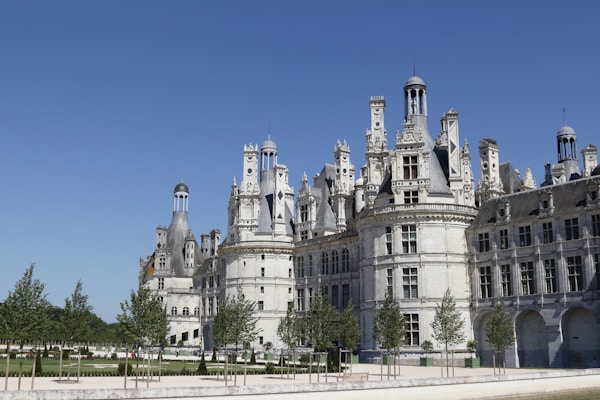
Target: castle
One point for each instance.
(412, 223)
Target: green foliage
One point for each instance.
(289, 329)
(349, 327)
(76, 316)
(214, 356)
(499, 330)
(235, 322)
(472, 346)
(143, 319)
(202, 370)
(427, 346)
(24, 313)
(447, 323)
(270, 368)
(253, 358)
(388, 326)
(45, 354)
(66, 354)
(121, 369)
(320, 322)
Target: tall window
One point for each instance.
(211, 303)
(303, 235)
(410, 283)
(335, 262)
(550, 271)
(345, 260)
(310, 265)
(485, 280)
(324, 263)
(410, 167)
(300, 266)
(484, 242)
(505, 276)
(411, 196)
(409, 238)
(196, 311)
(185, 311)
(503, 239)
(547, 233)
(345, 295)
(572, 229)
(596, 225)
(161, 283)
(524, 236)
(390, 281)
(388, 240)
(411, 322)
(173, 310)
(574, 273)
(304, 213)
(300, 300)
(527, 278)
(211, 281)
(261, 305)
(335, 299)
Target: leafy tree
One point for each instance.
(447, 323)
(388, 326)
(235, 322)
(348, 327)
(320, 322)
(202, 370)
(289, 329)
(77, 316)
(499, 330)
(24, 313)
(143, 319)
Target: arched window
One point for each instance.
(335, 262)
(324, 263)
(345, 260)
(173, 310)
(186, 311)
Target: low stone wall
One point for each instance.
(459, 388)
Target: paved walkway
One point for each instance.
(374, 374)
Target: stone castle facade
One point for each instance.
(411, 223)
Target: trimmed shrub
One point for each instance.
(38, 363)
(270, 368)
(253, 358)
(121, 369)
(202, 370)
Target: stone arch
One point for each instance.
(532, 341)
(581, 344)
(484, 350)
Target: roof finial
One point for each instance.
(564, 116)
(414, 66)
(269, 130)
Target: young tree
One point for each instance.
(235, 322)
(24, 313)
(289, 329)
(388, 326)
(447, 323)
(143, 319)
(320, 322)
(499, 330)
(77, 316)
(349, 328)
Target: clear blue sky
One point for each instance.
(106, 105)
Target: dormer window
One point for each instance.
(503, 211)
(545, 204)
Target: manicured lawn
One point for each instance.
(96, 366)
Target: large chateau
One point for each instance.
(410, 221)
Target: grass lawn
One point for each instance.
(95, 366)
